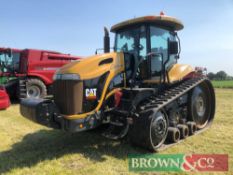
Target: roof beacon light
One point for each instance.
(162, 13)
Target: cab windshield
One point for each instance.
(132, 41)
(9, 63)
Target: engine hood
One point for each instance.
(94, 66)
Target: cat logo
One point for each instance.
(91, 94)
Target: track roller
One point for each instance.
(192, 127)
(173, 135)
(184, 131)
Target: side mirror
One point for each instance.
(173, 47)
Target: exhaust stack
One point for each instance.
(106, 41)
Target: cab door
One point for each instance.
(159, 39)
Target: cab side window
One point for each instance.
(159, 44)
(172, 57)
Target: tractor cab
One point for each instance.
(9, 60)
(150, 45)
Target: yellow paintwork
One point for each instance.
(159, 20)
(89, 68)
(178, 72)
(153, 80)
(85, 70)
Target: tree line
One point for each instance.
(220, 75)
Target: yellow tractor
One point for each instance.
(138, 90)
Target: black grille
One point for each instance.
(68, 96)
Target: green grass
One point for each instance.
(223, 84)
(28, 148)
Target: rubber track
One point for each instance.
(158, 102)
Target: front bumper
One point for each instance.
(45, 112)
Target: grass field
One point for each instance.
(223, 84)
(28, 148)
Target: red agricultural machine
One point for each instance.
(29, 73)
(4, 99)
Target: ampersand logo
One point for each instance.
(205, 162)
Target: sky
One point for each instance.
(76, 26)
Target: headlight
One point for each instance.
(66, 77)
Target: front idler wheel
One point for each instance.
(158, 129)
(149, 130)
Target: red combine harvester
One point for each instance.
(29, 72)
(4, 99)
